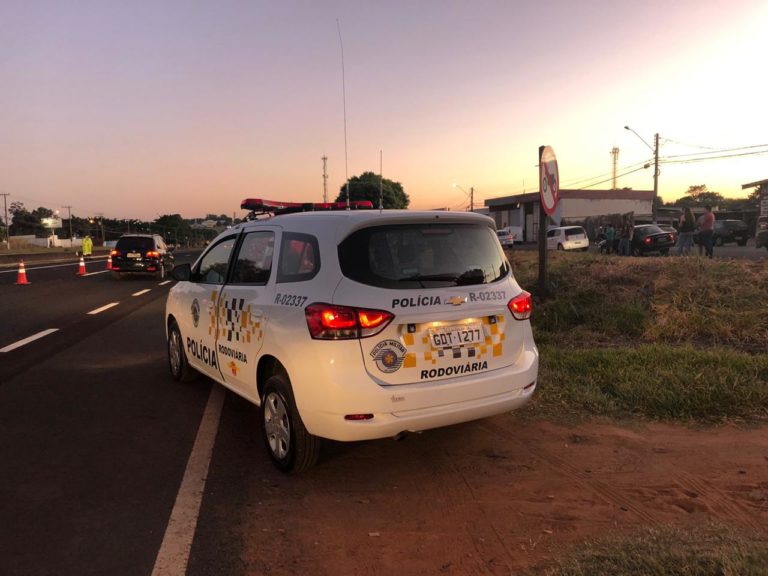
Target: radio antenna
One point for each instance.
(381, 179)
(344, 99)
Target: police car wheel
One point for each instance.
(177, 358)
(288, 443)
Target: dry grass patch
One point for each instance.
(615, 301)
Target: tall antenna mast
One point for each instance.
(344, 98)
(325, 178)
(381, 179)
(615, 154)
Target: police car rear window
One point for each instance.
(423, 256)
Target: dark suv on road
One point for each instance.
(728, 231)
(141, 253)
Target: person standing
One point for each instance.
(625, 238)
(707, 231)
(87, 246)
(686, 226)
(610, 235)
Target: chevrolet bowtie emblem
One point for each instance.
(457, 300)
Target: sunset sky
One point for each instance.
(134, 109)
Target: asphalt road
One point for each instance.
(94, 435)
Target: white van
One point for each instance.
(567, 238)
(510, 235)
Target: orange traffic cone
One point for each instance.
(22, 277)
(109, 262)
(81, 271)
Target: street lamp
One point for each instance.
(471, 195)
(655, 150)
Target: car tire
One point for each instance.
(560, 247)
(664, 252)
(180, 369)
(636, 252)
(117, 276)
(290, 446)
(161, 272)
(742, 242)
(719, 241)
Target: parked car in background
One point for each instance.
(567, 238)
(649, 238)
(671, 229)
(141, 254)
(728, 232)
(510, 235)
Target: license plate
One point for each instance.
(134, 255)
(459, 335)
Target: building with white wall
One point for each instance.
(574, 206)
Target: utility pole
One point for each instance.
(325, 178)
(7, 225)
(471, 199)
(69, 208)
(381, 180)
(615, 154)
(655, 175)
(655, 150)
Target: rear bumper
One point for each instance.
(412, 408)
(136, 267)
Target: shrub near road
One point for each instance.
(677, 339)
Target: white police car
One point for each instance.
(355, 324)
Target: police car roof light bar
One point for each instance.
(260, 206)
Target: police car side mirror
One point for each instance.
(182, 272)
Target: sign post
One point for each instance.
(549, 192)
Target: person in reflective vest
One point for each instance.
(87, 246)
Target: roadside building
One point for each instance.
(584, 207)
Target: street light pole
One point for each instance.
(471, 195)
(655, 150)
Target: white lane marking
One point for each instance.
(107, 307)
(173, 556)
(164, 283)
(32, 338)
(94, 273)
(140, 292)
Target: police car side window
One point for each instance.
(213, 266)
(299, 258)
(254, 259)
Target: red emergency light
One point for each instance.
(261, 206)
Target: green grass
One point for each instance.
(657, 382)
(710, 550)
(677, 339)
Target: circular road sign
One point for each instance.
(549, 180)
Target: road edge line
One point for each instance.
(173, 556)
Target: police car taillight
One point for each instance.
(521, 306)
(331, 322)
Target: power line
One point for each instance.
(618, 176)
(724, 156)
(717, 151)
